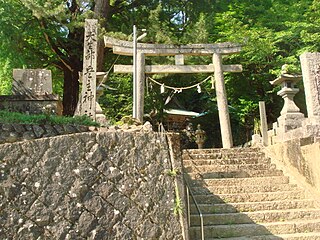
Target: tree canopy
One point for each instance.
(49, 34)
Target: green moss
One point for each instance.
(173, 172)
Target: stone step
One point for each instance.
(253, 206)
(222, 151)
(249, 197)
(243, 189)
(236, 174)
(199, 162)
(293, 236)
(243, 196)
(256, 217)
(253, 229)
(229, 168)
(266, 181)
(225, 156)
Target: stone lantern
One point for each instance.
(290, 115)
(200, 136)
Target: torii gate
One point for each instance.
(143, 49)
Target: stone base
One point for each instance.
(49, 104)
(290, 121)
(310, 127)
(100, 117)
(256, 140)
(20, 132)
(311, 121)
(102, 120)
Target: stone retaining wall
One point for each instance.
(300, 159)
(18, 132)
(97, 185)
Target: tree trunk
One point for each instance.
(101, 10)
(70, 91)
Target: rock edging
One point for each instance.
(20, 132)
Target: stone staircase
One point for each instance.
(243, 196)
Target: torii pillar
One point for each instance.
(225, 126)
(145, 49)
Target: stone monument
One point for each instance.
(310, 65)
(91, 90)
(31, 82)
(87, 104)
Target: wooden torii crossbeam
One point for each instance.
(179, 51)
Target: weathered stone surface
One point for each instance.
(38, 130)
(32, 82)
(102, 185)
(6, 127)
(31, 105)
(87, 102)
(69, 129)
(82, 128)
(222, 102)
(258, 207)
(28, 135)
(156, 69)
(17, 132)
(59, 129)
(19, 128)
(13, 137)
(310, 65)
(125, 47)
(50, 131)
(301, 158)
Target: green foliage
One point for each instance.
(173, 172)
(5, 78)
(117, 100)
(15, 117)
(200, 35)
(159, 31)
(272, 33)
(177, 203)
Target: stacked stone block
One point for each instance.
(21, 132)
(107, 185)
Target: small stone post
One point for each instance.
(140, 86)
(179, 59)
(134, 71)
(224, 118)
(263, 121)
(200, 136)
(87, 105)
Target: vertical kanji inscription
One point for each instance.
(87, 105)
